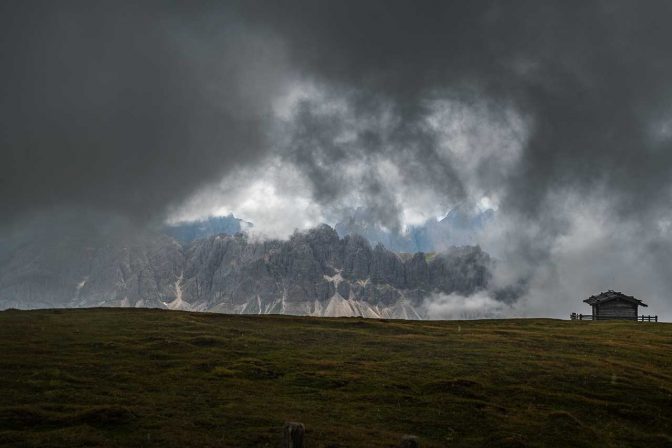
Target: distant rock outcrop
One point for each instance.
(312, 273)
(461, 226)
(188, 231)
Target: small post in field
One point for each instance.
(409, 441)
(292, 435)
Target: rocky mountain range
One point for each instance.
(188, 231)
(312, 273)
(462, 225)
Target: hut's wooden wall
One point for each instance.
(615, 309)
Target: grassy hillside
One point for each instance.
(122, 377)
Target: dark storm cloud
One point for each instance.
(127, 106)
(133, 108)
(592, 76)
(328, 143)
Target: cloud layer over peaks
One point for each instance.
(295, 112)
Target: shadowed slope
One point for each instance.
(123, 377)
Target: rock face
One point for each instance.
(186, 232)
(313, 273)
(461, 226)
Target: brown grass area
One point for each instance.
(121, 377)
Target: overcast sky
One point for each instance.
(288, 114)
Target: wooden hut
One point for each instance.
(614, 305)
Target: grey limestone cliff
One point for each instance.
(312, 273)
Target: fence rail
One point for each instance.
(575, 316)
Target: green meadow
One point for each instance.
(145, 378)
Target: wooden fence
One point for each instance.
(642, 318)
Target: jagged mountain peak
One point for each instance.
(462, 225)
(187, 231)
(313, 272)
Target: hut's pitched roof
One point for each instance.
(612, 295)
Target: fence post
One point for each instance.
(409, 441)
(292, 435)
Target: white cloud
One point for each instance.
(482, 139)
(455, 306)
(273, 196)
(574, 246)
